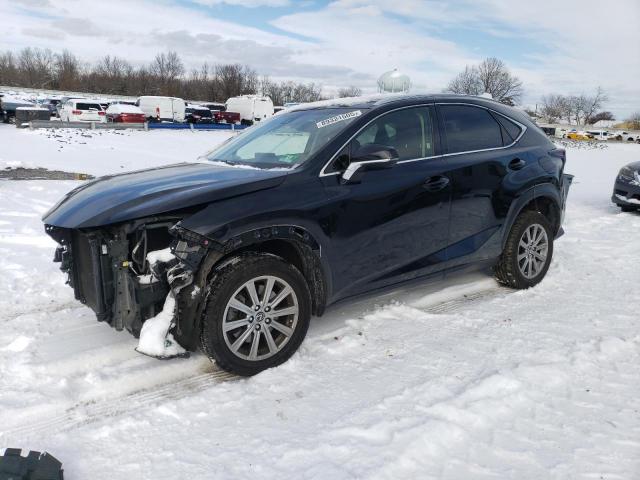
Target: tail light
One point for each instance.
(101, 113)
(76, 112)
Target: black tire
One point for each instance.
(226, 281)
(507, 271)
(626, 208)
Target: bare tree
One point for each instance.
(490, 76)
(8, 69)
(600, 116)
(554, 107)
(577, 109)
(590, 105)
(67, 71)
(36, 67)
(496, 79)
(634, 121)
(466, 82)
(351, 91)
(168, 68)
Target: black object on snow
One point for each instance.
(35, 466)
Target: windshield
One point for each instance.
(287, 139)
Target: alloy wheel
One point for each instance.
(260, 318)
(533, 249)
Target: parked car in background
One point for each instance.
(123, 113)
(162, 109)
(252, 108)
(561, 132)
(226, 117)
(579, 135)
(626, 190)
(8, 106)
(342, 199)
(51, 104)
(550, 131)
(599, 134)
(626, 136)
(214, 106)
(64, 100)
(82, 110)
(198, 114)
(122, 102)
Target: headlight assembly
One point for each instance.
(626, 174)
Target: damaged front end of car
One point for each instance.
(125, 272)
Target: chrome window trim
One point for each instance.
(323, 173)
(523, 129)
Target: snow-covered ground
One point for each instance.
(461, 380)
(101, 152)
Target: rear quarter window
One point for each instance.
(469, 128)
(510, 130)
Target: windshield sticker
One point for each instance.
(338, 118)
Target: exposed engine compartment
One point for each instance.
(111, 272)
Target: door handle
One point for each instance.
(516, 164)
(434, 184)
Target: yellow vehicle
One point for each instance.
(579, 136)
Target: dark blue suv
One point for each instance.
(322, 202)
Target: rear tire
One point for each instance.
(626, 208)
(246, 295)
(527, 254)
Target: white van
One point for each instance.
(252, 108)
(163, 109)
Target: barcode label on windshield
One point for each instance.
(338, 118)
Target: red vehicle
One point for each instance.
(123, 113)
(226, 117)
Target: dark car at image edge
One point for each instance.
(626, 190)
(320, 203)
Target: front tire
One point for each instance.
(527, 254)
(257, 313)
(626, 208)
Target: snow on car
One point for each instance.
(124, 113)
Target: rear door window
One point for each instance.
(469, 128)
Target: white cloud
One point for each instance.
(246, 3)
(569, 46)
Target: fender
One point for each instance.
(191, 300)
(315, 268)
(543, 190)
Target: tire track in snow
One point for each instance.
(89, 412)
(96, 410)
(466, 300)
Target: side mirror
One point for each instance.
(369, 157)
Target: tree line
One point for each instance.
(577, 109)
(166, 75)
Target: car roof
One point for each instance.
(401, 100)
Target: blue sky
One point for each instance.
(566, 47)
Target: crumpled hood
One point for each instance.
(118, 198)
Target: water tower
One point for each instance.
(394, 81)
